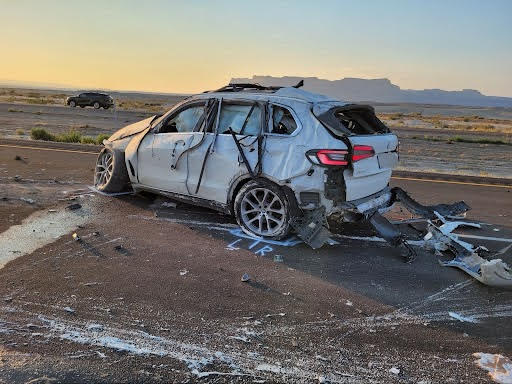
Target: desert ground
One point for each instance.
(138, 288)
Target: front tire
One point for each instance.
(262, 210)
(96, 105)
(110, 173)
(72, 104)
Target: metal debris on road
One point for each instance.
(69, 309)
(495, 273)
(245, 278)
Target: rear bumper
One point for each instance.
(312, 225)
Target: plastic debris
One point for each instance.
(499, 366)
(278, 258)
(27, 200)
(76, 237)
(69, 309)
(394, 371)
(168, 204)
(245, 278)
(183, 272)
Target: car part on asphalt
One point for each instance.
(495, 272)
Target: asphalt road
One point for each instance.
(162, 279)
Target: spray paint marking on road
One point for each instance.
(255, 241)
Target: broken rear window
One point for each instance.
(351, 119)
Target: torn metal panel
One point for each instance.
(311, 227)
(428, 211)
(495, 273)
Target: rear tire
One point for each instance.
(106, 107)
(110, 174)
(96, 105)
(262, 210)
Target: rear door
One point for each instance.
(83, 99)
(219, 162)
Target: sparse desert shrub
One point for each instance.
(13, 110)
(37, 101)
(20, 132)
(70, 137)
(101, 137)
(87, 140)
(42, 134)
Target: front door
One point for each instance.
(162, 158)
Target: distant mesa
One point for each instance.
(382, 91)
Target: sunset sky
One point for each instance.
(190, 46)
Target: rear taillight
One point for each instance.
(339, 157)
(329, 157)
(361, 152)
(332, 156)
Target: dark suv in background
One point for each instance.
(91, 99)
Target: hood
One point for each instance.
(131, 129)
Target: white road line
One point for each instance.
(504, 240)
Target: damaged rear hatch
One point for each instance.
(373, 149)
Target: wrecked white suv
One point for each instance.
(278, 159)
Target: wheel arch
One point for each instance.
(240, 181)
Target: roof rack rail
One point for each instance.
(237, 87)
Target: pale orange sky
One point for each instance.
(191, 46)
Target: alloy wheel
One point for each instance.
(263, 212)
(104, 167)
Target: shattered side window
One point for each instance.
(283, 122)
(184, 121)
(243, 119)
